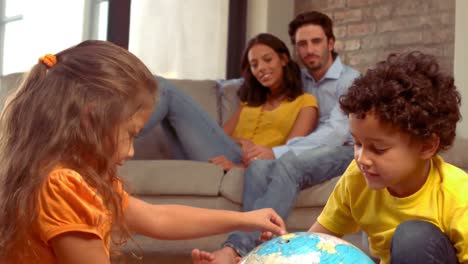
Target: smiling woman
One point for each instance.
(273, 106)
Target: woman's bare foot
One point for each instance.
(225, 255)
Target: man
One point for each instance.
(275, 176)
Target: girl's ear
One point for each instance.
(430, 147)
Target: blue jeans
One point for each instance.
(276, 184)
(417, 241)
(192, 133)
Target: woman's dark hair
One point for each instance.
(410, 92)
(312, 18)
(252, 91)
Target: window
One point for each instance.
(181, 38)
(33, 28)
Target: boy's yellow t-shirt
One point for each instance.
(66, 204)
(271, 128)
(442, 201)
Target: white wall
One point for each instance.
(257, 17)
(181, 39)
(270, 16)
(461, 62)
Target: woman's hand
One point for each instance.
(266, 220)
(224, 163)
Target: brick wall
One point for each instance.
(368, 30)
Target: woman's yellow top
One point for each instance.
(271, 128)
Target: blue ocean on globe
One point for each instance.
(306, 247)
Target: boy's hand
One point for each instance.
(266, 220)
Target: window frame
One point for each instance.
(118, 30)
(90, 23)
(4, 20)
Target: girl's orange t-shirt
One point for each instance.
(66, 204)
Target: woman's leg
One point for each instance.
(189, 128)
(418, 241)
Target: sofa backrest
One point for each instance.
(8, 84)
(154, 144)
(219, 99)
(228, 99)
(458, 154)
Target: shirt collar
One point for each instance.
(333, 72)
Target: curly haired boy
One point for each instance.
(410, 202)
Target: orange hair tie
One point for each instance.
(48, 59)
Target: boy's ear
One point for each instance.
(430, 147)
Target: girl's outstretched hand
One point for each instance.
(266, 220)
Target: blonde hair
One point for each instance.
(68, 114)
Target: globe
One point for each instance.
(306, 247)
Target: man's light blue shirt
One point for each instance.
(333, 128)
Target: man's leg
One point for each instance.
(190, 129)
(418, 241)
(277, 183)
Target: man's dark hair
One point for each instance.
(408, 91)
(311, 18)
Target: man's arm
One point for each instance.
(334, 132)
(305, 122)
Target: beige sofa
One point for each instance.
(200, 183)
(154, 177)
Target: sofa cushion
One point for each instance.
(204, 92)
(229, 101)
(233, 184)
(153, 145)
(171, 177)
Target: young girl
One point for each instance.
(68, 127)
(273, 110)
